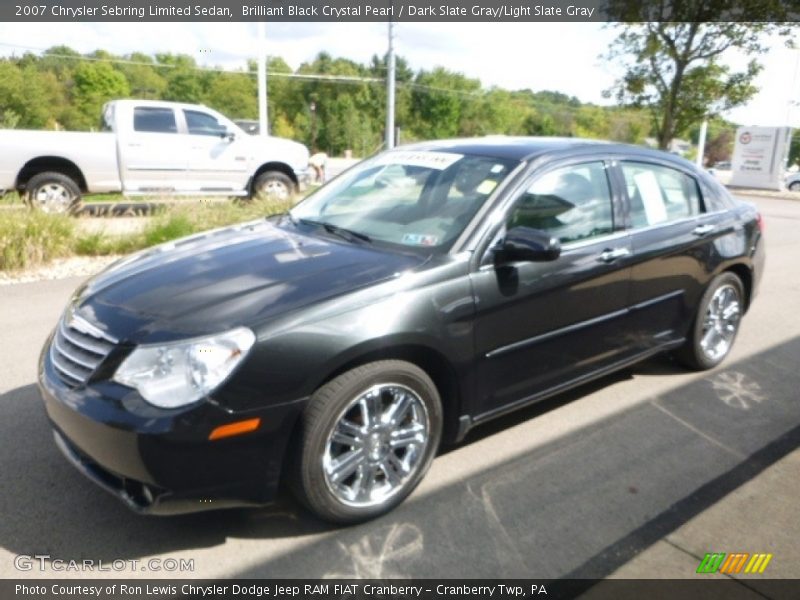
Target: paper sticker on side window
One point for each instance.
(431, 160)
(650, 193)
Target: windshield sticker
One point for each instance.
(497, 168)
(431, 160)
(486, 186)
(420, 239)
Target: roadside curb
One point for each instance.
(783, 194)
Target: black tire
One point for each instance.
(692, 354)
(795, 186)
(273, 185)
(53, 192)
(328, 407)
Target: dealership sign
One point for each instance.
(759, 157)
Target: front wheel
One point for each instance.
(795, 186)
(53, 192)
(716, 323)
(367, 439)
(273, 185)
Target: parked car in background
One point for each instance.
(793, 182)
(722, 171)
(423, 292)
(248, 126)
(148, 147)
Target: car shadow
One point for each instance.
(578, 507)
(584, 505)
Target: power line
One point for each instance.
(302, 76)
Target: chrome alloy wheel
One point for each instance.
(721, 322)
(376, 445)
(53, 198)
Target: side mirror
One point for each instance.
(228, 135)
(526, 244)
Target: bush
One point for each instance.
(30, 238)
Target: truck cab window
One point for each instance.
(154, 120)
(200, 123)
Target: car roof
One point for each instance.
(526, 148)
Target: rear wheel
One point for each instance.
(716, 323)
(367, 439)
(795, 186)
(273, 185)
(53, 192)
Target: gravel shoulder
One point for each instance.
(60, 268)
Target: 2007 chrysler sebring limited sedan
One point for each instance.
(422, 292)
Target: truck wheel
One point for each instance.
(53, 192)
(273, 185)
(366, 440)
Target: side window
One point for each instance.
(200, 123)
(572, 203)
(659, 194)
(154, 120)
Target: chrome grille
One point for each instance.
(76, 354)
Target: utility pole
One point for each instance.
(701, 143)
(263, 124)
(390, 90)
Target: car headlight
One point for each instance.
(178, 373)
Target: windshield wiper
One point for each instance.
(342, 232)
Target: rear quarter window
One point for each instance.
(715, 196)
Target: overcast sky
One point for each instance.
(541, 56)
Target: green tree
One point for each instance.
(673, 69)
(233, 94)
(185, 83)
(95, 83)
(439, 99)
(145, 79)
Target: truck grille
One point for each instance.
(76, 354)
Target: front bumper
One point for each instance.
(160, 461)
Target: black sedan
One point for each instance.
(421, 293)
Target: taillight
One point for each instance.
(760, 222)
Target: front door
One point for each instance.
(218, 156)
(541, 325)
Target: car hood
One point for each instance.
(225, 278)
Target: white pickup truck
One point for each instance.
(149, 148)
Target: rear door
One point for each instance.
(540, 325)
(670, 239)
(152, 152)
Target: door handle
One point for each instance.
(134, 145)
(611, 254)
(702, 230)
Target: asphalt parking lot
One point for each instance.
(636, 475)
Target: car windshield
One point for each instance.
(417, 199)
